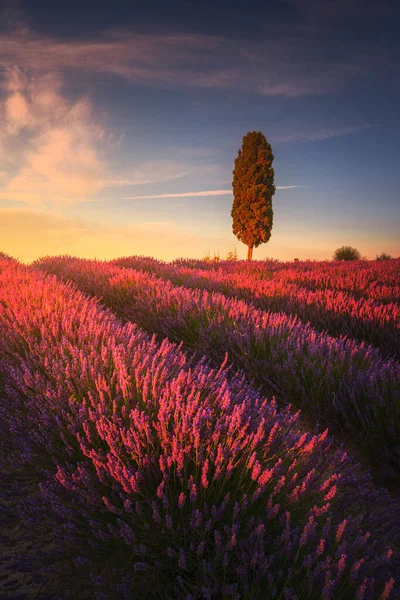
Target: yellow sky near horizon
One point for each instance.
(29, 234)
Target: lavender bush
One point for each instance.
(344, 384)
(169, 478)
(336, 311)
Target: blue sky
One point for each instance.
(111, 116)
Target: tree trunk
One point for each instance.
(250, 253)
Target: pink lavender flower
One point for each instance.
(388, 588)
(342, 563)
(321, 547)
(307, 531)
(340, 530)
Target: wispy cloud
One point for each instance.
(323, 133)
(56, 151)
(182, 195)
(202, 193)
(159, 171)
(281, 65)
(287, 187)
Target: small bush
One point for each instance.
(209, 259)
(383, 256)
(346, 253)
(232, 255)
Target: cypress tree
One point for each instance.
(253, 188)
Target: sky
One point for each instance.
(120, 123)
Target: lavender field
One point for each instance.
(198, 431)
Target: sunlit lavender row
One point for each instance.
(173, 480)
(287, 290)
(343, 384)
(377, 280)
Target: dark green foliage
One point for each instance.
(346, 253)
(383, 256)
(253, 188)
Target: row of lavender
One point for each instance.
(345, 385)
(337, 312)
(379, 281)
(169, 479)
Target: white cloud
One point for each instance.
(183, 195)
(50, 144)
(54, 149)
(203, 193)
(287, 187)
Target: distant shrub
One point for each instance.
(383, 256)
(346, 253)
(208, 258)
(232, 255)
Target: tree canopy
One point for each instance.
(253, 188)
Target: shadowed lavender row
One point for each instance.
(169, 479)
(344, 384)
(337, 312)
